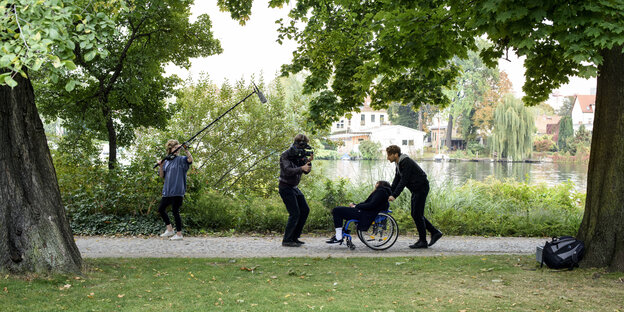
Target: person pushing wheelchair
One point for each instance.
(409, 174)
(364, 212)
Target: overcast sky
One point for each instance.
(252, 50)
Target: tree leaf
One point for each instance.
(89, 56)
(69, 64)
(70, 85)
(9, 81)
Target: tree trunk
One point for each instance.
(449, 133)
(112, 138)
(602, 228)
(34, 232)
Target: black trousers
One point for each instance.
(176, 203)
(298, 212)
(341, 213)
(418, 213)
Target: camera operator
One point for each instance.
(293, 162)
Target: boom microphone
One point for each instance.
(260, 95)
(256, 91)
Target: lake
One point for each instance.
(458, 172)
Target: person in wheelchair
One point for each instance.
(364, 212)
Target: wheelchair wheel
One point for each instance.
(382, 234)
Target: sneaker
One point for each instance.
(333, 240)
(419, 244)
(176, 237)
(167, 233)
(299, 242)
(434, 238)
(290, 244)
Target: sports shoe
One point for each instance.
(290, 244)
(419, 244)
(434, 238)
(167, 233)
(299, 242)
(176, 237)
(333, 240)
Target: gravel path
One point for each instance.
(270, 246)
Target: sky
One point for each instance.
(251, 50)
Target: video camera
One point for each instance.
(302, 149)
(299, 150)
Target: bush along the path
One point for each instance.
(123, 201)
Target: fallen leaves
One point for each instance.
(65, 287)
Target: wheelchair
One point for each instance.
(381, 234)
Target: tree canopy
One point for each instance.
(42, 35)
(128, 89)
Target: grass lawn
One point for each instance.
(460, 283)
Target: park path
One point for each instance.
(270, 246)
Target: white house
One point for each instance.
(410, 140)
(363, 120)
(583, 111)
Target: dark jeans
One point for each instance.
(344, 213)
(176, 203)
(298, 211)
(418, 213)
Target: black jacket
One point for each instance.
(377, 201)
(290, 168)
(408, 174)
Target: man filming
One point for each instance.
(409, 174)
(293, 162)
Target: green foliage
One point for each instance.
(513, 130)
(475, 148)
(370, 150)
(403, 115)
(128, 89)
(472, 86)
(566, 107)
(239, 153)
(566, 132)
(580, 143)
(544, 144)
(335, 194)
(326, 154)
(44, 35)
(558, 40)
(507, 208)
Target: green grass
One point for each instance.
(470, 283)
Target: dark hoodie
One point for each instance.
(408, 174)
(377, 201)
(290, 168)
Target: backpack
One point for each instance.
(563, 252)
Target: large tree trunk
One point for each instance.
(34, 232)
(602, 228)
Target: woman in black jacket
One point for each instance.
(364, 212)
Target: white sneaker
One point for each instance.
(167, 233)
(176, 237)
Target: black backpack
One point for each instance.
(563, 252)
